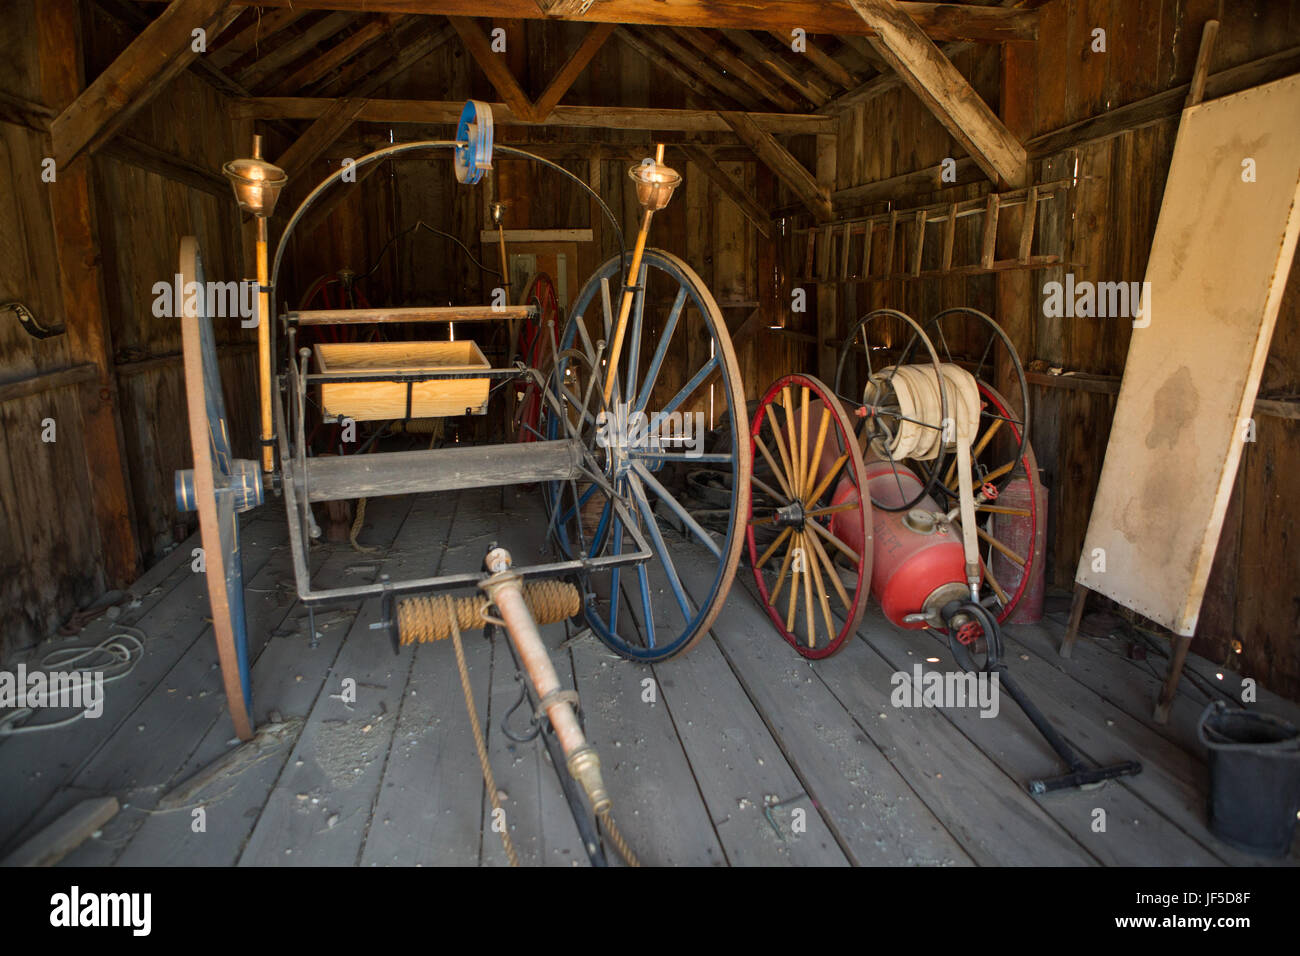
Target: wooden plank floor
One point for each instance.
(739, 753)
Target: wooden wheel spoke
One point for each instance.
(832, 509)
(802, 466)
(1002, 510)
(807, 591)
(787, 405)
(840, 545)
(770, 491)
(815, 564)
(816, 458)
(793, 603)
(767, 456)
(829, 566)
(827, 479)
(771, 548)
(993, 583)
(780, 575)
(988, 538)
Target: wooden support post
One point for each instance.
(828, 300)
(1166, 701)
(1076, 616)
(889, 249)
(918, 242)
(949, 237)
(1027, 223)
(989, 238)
(869, 227)
(85, 315)
(846, 240)
(1203, 57)
(810, 256)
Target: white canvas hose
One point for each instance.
(916, 390)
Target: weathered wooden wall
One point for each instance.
(1104, 230)
(52, 553)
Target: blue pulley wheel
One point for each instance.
(475, 131)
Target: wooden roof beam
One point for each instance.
(289, 51)
(320, 136)
(778, 159)
(809, 87)
(703, 41)
(408, 54)
(667, 64)
(596, 117)
(494, 66)
(947, 94)
(823, 61)
(316, 67)
(941, 21)
(571, 70)
(734, 91)
(254, 35)
(160, 53)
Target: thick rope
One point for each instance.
(479, 742)
(424, 619)
(616, 837)
(358, 523)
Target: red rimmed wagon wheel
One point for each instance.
(814, 574)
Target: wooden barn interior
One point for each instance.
(836, 159)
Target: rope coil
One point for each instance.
(421, 620)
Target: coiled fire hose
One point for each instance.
(521, 606)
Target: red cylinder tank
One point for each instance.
(914, 557)
(1025, 535)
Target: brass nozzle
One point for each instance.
(584, 766)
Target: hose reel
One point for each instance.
(421, 620)
(921, 432)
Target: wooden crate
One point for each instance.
(381, 401)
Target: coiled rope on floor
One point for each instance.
(424, 619)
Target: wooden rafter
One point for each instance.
(811, 88)
(598, 117)
(703, 41)
(942, 21)
(823, 61)
(734, 191)
(254, 35)
(778, 159)
(947, 94)
(668, 65)
(322, 133)
(571, 70)
(384, 57)
(316, 67)
(498, 74)
(735, 92)
(289, 51)
(161, 51)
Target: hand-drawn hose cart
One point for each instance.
(912, 479)
(601, 483)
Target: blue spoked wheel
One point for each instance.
(677, 406)
(219, 487)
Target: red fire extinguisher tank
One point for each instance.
(919, 563)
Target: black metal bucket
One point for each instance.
(1254, 778)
